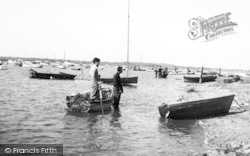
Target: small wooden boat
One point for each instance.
(82, 103)
(137, 68)
(31, 65)
(190, 73)
(62, 67)
(3, 67)
(38, 75)
(76, 68)
(59, 76)
(235, 78)
(124, 80)
(63, 76)
(197, 109)
(176, 73)
(229, 80)
(196, 78)
(19, 63)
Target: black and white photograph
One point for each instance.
(124, 78)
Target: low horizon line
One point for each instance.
(152, 64)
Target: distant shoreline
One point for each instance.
(132, 64)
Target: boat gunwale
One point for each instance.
(53, 75)
(194, 102)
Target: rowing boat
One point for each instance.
(80, 102)
(31, 65)
(57, 76)
(3, 67)
(124, 80)
(196, 78)
(197, 109)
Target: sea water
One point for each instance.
(34, 111)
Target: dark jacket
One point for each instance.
(117, 82)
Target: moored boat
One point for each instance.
(196, 78)
(76, 68)
(172, 72)
(63, 76)
(59, 76)
(19, 63)
(138, 68)
(39, 75)
(62, 67)
(31, 65)
(3, 67)
(124, 80)
(80, 102)
(197, 109)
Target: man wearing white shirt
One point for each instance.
(95, 79)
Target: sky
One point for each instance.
(84, 29)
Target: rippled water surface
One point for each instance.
(34, 111)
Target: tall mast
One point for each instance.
(128, 43)
(64, 56)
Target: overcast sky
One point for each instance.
(83, 29)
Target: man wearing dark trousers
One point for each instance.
(117, 89)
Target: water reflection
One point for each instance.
(184, 126)
(181, 133)
(84, 132)
(83, 114)
(115, 118)
(116, 130)
(88, 132)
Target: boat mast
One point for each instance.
(128, 43)
(64, 56)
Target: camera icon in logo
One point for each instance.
(7, 150)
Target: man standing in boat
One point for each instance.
(117, 89)
(95, 79)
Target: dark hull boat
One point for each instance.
(124, 80)
(63, 76)
(197, 109)
(82, 103)
(196, 79)
(139, 69)
(60, 76)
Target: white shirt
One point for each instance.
(94, 73)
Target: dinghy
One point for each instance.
(55, 76)
(196, 78)
(197, 109)
(80, 102)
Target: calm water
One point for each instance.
(34, 111)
